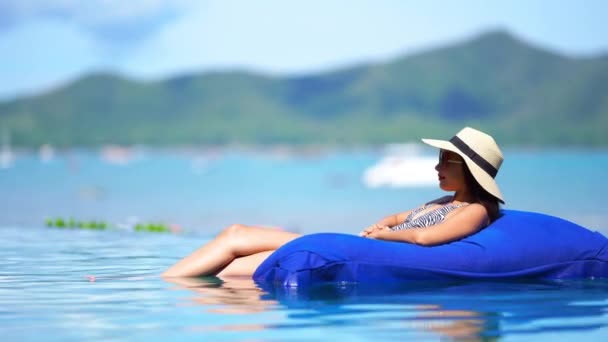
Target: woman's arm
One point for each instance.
(389, 221)
(394, 219)
(462, 223)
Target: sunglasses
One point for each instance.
(444, 159)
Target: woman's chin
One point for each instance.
(444, 186)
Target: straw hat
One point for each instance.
(481, 154)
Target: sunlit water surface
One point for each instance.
(74, 284)
(60, 284)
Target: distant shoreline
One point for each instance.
(494, 82)
(299, 149)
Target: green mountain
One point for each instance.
(520, 93)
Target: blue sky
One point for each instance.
(45, 44)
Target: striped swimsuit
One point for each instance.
(429, 218)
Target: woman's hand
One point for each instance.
(369, 229)
(375, 231)
(379, 233)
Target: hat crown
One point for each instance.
(482, 144)
(480, 153)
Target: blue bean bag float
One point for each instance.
(517, 245)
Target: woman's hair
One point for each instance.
(481, 195)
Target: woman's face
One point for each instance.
(450, 170)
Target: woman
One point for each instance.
(468, 164)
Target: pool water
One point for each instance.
(74, 285)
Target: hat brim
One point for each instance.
(483, 178)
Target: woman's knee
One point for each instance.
(235, 230)
(235, 236)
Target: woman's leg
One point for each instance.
(244, 266)
(236, 241)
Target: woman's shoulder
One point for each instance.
(440, 200)
(476, 212)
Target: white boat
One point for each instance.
(7, 156)
(402, 167)
(46, 153)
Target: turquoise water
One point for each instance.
(74, 284)
(88, 285)
(311, 192)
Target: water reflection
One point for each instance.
(226, 296)
(229, 296)
(481, 311)
(434, 309)
(457, 324)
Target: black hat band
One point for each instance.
(476, 158)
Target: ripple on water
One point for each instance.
(70, 285)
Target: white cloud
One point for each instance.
(90, 11)
(158, 38)
(293, 37)
(107, 20)
(266, 35)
